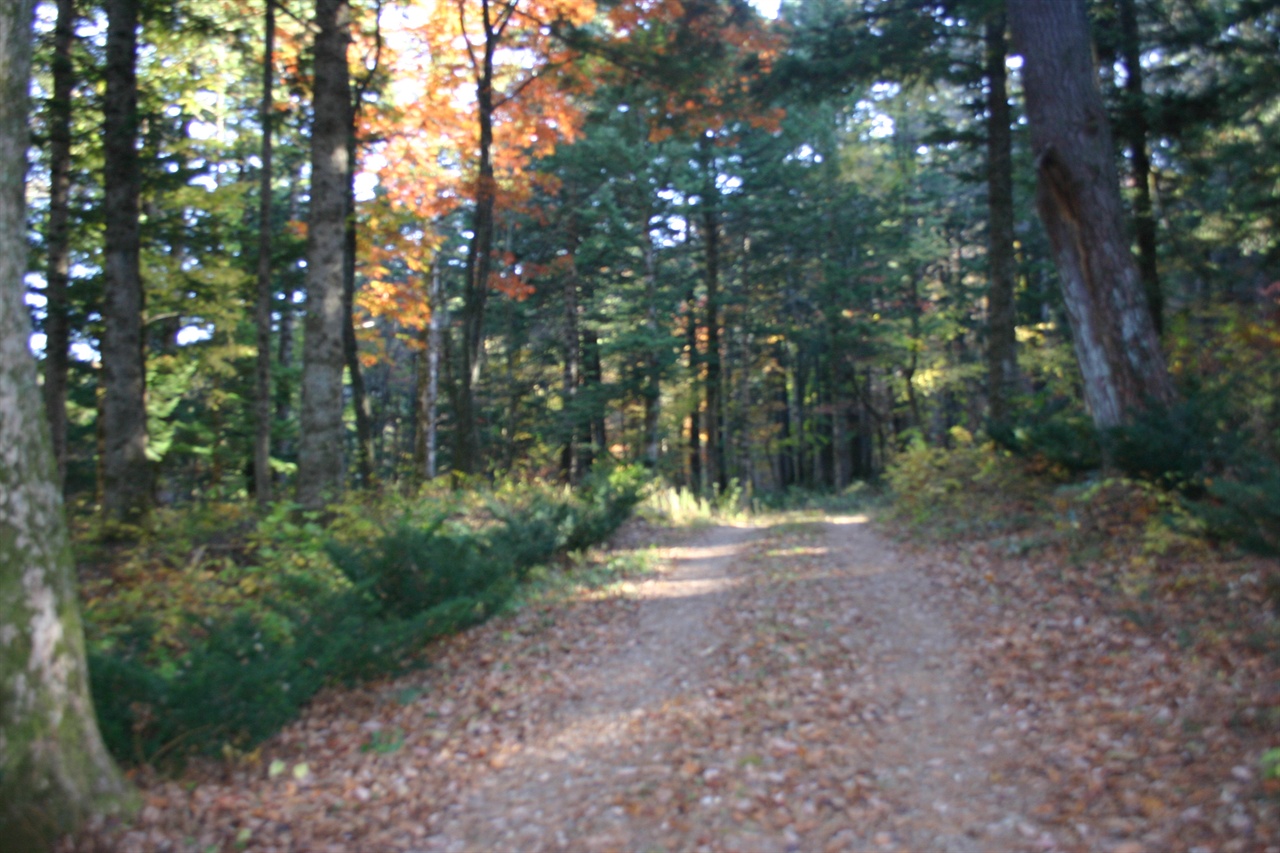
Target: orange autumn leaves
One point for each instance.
(424, 144)
(423, 139)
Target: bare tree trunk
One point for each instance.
(717, 474)
(1079, 201)
(570, 376)
(480, 248)
(320, 448)
(1002, 363)
(597, 438)
(1135, 132)
(350, 346)
(653, 365)
(695, 421)
(262, 308)
(126, 473)
(57, 237)
(429, 383)
(54, 769)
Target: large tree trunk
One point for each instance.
(126, 474)
(320, 458)
(1002, 363)
(262, 309)
(54, 770)
(1079, 202)
(1135, 134)
(57, 237)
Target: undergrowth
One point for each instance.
(213, 634)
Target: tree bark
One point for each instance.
(320, 446)
(350, 346)
(126, 473)
(652, 364)
(262, 309)
(479, 253)
(1135, 133)
(571, 373)
(695, 420)
(1002, 363)
(429, 384)
(54, 769)
(1079, 201)
(595, 434)
(717, 473)
(57, 236)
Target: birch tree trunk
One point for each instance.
(320, 458)
(126, 473)
(54, 770)
(429, 384)
(1079, 201)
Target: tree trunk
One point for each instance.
(429, 383)
(570, 375)
(126, 473)
(716, 471)
(653, 364)
(1135, 133)
(262, 309)
(1079, 202)
(479, 259)
(597, 438)
(57, 237)
(54, 769)
(1002, 363)
(350, 346)
(320, 445)
(695, 421)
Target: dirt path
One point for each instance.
(800, 685)
(554, 794)
(639, 758)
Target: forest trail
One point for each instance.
(798, 684)
(902, 741)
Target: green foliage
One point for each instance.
(232, 646)
(970, 489)
(1057, 436)
(415, 569)
(1246, 510)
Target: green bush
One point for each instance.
(191, 678)
(1246, 510)
(1059, 435)
(1179, 446)
(969, 489)
(412, 570)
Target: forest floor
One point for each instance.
(800, 683)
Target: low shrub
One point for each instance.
(1059, 438)
(234, 651)
(972, 488)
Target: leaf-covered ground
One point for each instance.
(800, 684)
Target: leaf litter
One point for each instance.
(801, 685)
